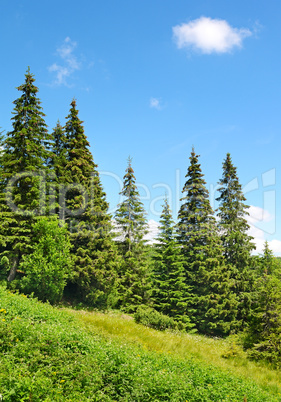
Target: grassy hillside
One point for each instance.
(53, 355)
(225, 354)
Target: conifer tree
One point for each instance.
(58, 164)
(24, 163)
(171, 294)
(86, 212)
(132, 227)
(232, 218)
(130, 216)
(264, 333)
(202, 250)
(237, 244)
(60, 153)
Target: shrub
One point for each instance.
(152, 318)
(47, 268)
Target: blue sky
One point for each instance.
(154, 78)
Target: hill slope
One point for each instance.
(53, 355)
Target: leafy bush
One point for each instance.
(152, 318)
(47, 268)
(234, 347)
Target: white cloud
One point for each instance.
(259, 215)
(150, 237)
(155, 103)
(68, 62)
(153, 230)
(275, 246)
(209, 35)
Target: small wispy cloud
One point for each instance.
(155, 103)
(68, 62)
(209, 35)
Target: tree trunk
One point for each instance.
(13, 269)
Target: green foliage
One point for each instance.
(152, 318)
(232, 222)
(198, 236)
(47, 356)
(233, 347)
(86, 212)
(237, 244)
(130, 215)
(134, 275)
(48, 267)
(263, 338)
(57, 164)
(24, 168)
(171, 295)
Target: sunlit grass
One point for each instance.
(123, 327)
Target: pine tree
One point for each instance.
(58, 163)
(132, 227)
(130, 216)
(202, 250)
(171, 294)
(232, 218)
(264, 333)
(60, 150)
(237, 244)
(86, 212)
(24, 164)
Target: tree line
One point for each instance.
(57, 238)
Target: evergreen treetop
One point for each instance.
(24, 161)
(94, 252)
(60, 152)
(134, 281)
(171, 294)
(202, 249)
(27, 146)
(232, 214)
(195, 216)
(130, 214)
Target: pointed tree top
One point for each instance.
(129, 168)
(73, 103)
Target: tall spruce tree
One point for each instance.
(60, 150)
(237, 243)
(264, 332)
(86, 212)
(132, 227)
(232, 214)
(58, 163)
(171, 294)
(24, 164)
(201, 247)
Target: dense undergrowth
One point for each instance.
(51, 355)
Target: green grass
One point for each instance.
(53, 355)
(212, 351)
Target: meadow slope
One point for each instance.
(48, 354)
